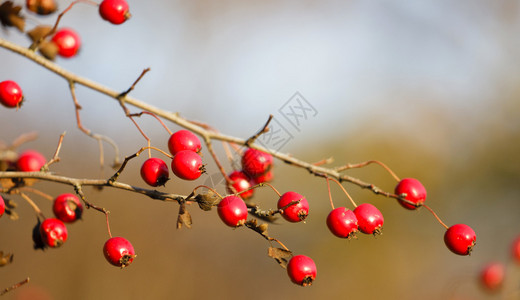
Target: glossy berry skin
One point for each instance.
(41, 7)
(232, 211)
(295, 212)
(187, 165)
(302, 270)
(370, 219)
(119, 252)
(460, 239)
(67, 208)
(67, 41)
(114, 11)
(256, 163)
(53, 232)
(30, 161)
(267, 177)
(414, 190)
(11, 94)
(515, 250)
(183, 140)
(154, 172)
(2, 206)
(492, 276)
(241, 183)
(342, 222)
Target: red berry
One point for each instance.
(2, 206)
(412, 190)
(183, 140)
(114, 11)
(53, 232)
(154, 171)
(370, 219)
(241, 183)
(295, 212)
(515, 249)
(67, 41)
(256, 162)
(232, 210)
(342, 222)
(10, 94)
(302, 270)
(267, 177)
(67, 208)
(492, 276)
(30, 161)
(41, 7)
(119, 252)
(187, 165)
(460, 239)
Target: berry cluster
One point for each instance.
(186, 162)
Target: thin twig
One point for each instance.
(360, 165)
(55, 157)
(264, 129)
(14, 286)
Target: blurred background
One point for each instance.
(431, 88)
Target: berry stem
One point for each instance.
(436, 216)
(344, 190)
(156, 117)
(108, 224)
(266, 184)
(38, 192)
(33, 205)
(202, 186)
(330, 194)
(363, 164)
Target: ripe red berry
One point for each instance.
(412, 190)
(515, 249)
(232, 210)
(119, 252)
(342, 222)
(53, 232)
(11, 94)
(67, 208)
(187, 165)
(267, 177)
(460, 239)
(41, 7)
(30, 161)
(2, 206)
(492, 276)
(67, 41)
(302, 270)
(294, 212)
(183, 140)
(256, 162)
(241, 183)
(114, 11)
(154, 171)
(370, 219)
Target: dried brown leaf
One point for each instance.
(281, 256)
(5, 259)
(10, 16)
(184, 218)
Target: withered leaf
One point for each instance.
(37, 238)
(10, 16)
(281, 256)
(184, 217)
(207, 200)
(5, 259)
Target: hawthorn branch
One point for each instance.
(75, 182)
(177, 119)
